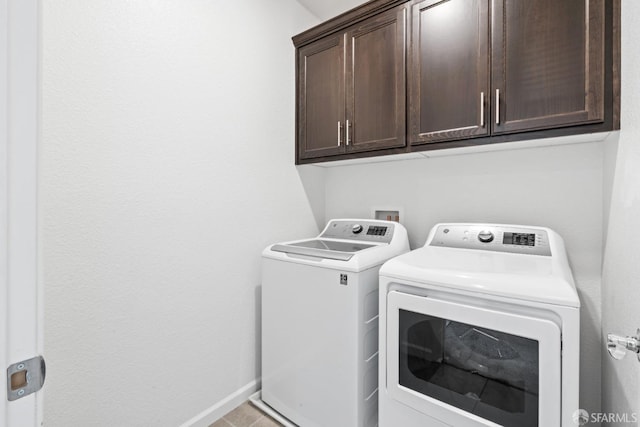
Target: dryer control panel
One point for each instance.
(492, 237)
(363, 230)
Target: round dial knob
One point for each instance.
(356, 229)
(485, 236)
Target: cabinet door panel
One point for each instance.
(449, 70)
(376, 82)
(547, 63)
(321, 101)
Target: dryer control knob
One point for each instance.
(485, 236)
(356, 229)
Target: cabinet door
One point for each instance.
(548, 63)
(449, 70)
(376, 83)
(321, 98)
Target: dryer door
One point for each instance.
(472, 366)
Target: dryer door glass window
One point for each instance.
(467, 361)
(485, 372)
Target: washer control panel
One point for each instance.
(497, 238)
(364, 230)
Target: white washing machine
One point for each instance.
(320, 322)
(480, 327)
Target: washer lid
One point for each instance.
(322, 248)
(525, 277)
(345, 244)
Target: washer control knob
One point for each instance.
(485, 236)
(357, 229)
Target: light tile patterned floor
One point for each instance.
(246, 415)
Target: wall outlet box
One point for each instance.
(388, 214)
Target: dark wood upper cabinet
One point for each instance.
(399, 76)
(449, 70)
(376, 83)
(545, 58)
(351, 89)
(321, 98)
(547, 63)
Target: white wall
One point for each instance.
(559, 187)
(166, 167)
(327, 9)
(621, 270)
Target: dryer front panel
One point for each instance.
(472, 366)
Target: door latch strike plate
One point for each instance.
(343, 279)
(25, 378)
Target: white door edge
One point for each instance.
(20, 292)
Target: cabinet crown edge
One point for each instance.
(344, 20)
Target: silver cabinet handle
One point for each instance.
(339, 134)
(617, 346)
(497, 106)
(481, 109)
(347, 132)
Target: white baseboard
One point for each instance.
(217, 411)
(256, 399)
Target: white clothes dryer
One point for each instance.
(480, 327)
(320, 322)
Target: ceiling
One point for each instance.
(325, 9)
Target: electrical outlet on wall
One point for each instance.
(388, 214)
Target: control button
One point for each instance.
(356, 229)
(485, 236)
